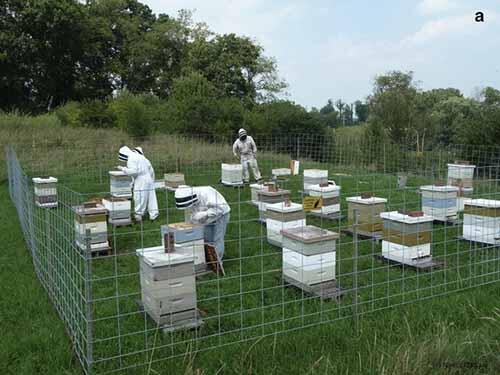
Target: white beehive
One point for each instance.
(281, 172)
(461, 176)
(309, 254)
(369, 210)
(254, 190)
(330, 195)
(174, 180)
(281, 216)
(268, 196)
(120, 185)
(45, 192)
(119, 210)
(232, 174)
(440, 202)
(314, 177)
(93, 218)
(406, 238)
(168, 285)
(482, 221)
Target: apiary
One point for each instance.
(369, 210)
(254, 190)
(270, 195)
(168, 286)
(482, 221)
(309, 254)
(281, 173)
(185, 238)
(232, 174)
(91, 217)
(330, 193)
(45, 191)
(440, 202)
(407, 237)
(281, 216)
(119, 210)
(314, 177)
(120, 185)
(174, 180)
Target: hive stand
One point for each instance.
(328, 290)
(422, 264)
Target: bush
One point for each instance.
(97, 114)
(132, 115)
(69, 114)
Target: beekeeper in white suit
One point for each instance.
(143, 175)
(244, 148)
(208, 207)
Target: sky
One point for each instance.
(335, 48)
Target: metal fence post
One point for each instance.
(88, 300)
(355, 269)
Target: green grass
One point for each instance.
(445, 335)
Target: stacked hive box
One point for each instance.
(92, 217)
(120, 184)
(369, 210)
(118, 210)
(268, 196)
(254, 189)
(174, 180)
(309, 254)
(440, 202)
(45, 192)
(406, 237)
(232, 174)
(168, 286)
(314, 177)
(282, 216)
(331, 198)
(461, 176)
(482, 221)
(187, 239)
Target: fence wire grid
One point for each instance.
(99, 296)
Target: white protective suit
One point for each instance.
(141, 170)
(244, 148)
(208, 207)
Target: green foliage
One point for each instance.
(69, 114)
(132, 114)
(96, 114)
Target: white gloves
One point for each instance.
(120, 168)
(200, 217)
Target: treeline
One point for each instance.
(404, 114)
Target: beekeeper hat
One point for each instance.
(242, 132)
(123, 153)
(185, 197)
(139, 150)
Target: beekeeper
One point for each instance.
(143, 176)
(208, 207)
(244, 148)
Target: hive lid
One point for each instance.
(157, 257)
(44, 180)
(439, 188)
(117, 173)
(316, 172)
(361, 200)
(231, 166)
(97, 209)
(309, 234)
(487, 203)
(114, 199)
(274, 193)
(281, 171)
(257, 186)
(174, 175)
(324, 189)
(463, 166)
(282, 208)
(182, 226)
(403, 218)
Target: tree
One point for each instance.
(361, 110)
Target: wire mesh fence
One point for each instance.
(368, 248)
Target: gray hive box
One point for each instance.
(120, 185)
(91, 217)
(119, 210)
(309, 240)
(168, 286)
(45, 191)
